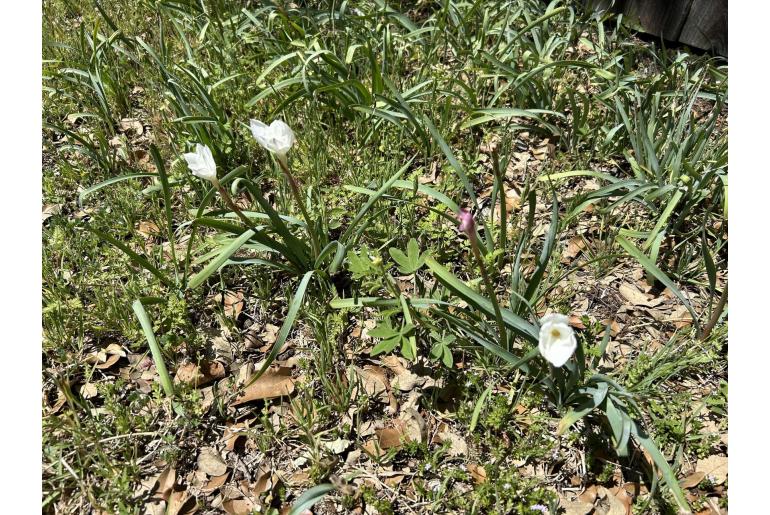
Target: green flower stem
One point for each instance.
(298, 197)
(229, 201)
(490, 291)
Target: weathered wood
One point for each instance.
(662, 18)
(706, 26)
(697, 23)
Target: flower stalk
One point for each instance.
(468, 226)
(294, 186)
(278, 138)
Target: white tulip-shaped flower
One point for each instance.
(201, 163)
(557, 339)
(277, 137)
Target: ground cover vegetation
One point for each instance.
(380, 257)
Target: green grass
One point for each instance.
(403, 112)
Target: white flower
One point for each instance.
(201, 163)
(557, 340)
(278, 137)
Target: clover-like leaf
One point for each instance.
(359, 264)
(390, 337)
(410, 262)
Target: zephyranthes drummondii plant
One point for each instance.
(546, 349)
(274, 240)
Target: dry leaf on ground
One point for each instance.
(404, 380)
(233, 433)
(715, 468)
(609, 504)
(273, 383)
(636, 297)
(478, 473)
(181, 503)
(238, 506)
(693, 479)
(575, 507)
(88, 391)
(210, 462)
(215, 482)
(199, 375)
(51, 209)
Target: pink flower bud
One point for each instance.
(467, 224)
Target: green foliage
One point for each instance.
(410, 262)
(392, 104)
(392, 338)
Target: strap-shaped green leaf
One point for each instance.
(510, 319)
(214, 265)
(310, 497)
(660, 461)
(288, 322)
(659, 275)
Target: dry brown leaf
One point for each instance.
(375, 382)
(575, 246)
(214, 483)
(393, 481)
(61, 400)
(273, 383)
(265, 482)
(210, 462)
(147, 229)
(615, 328)
(181, 503)
(199, 375)
(241, 506)
(632, 294)
(588, 495)
(132, 125)
(109, 362)
(89, 391)
(232, 303)
(270, 334)
(337, 446)
(576, 322)
(715, 468)
(478, 473)
(404, 380)
(574, 507)
(372, 449)
(457, 444)
(545, 150)
(164, 483)
(233, 433)
(608, 504)
(412, 425)
(390, 437)
(431, 178)
(681, 317)
(693, 479)
(299, 479)
(51, 209)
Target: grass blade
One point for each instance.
(157, 355)
(296, 303)
(660, 461)
(96, 187)
(659, 275)
(513, 321)
(310, 497)
(220, 260)
(136, 258)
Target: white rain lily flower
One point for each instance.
(201, 163)
(277, 137)
(557, 339)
